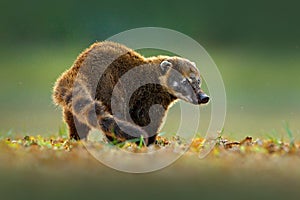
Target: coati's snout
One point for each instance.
(203, 98)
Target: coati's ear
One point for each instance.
(165, 65)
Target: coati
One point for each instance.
(87, 90)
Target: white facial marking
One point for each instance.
(189, 98)
(185, 98)
(175, 84)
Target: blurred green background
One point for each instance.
(255, 44)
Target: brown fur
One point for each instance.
(85, 96)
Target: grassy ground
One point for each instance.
(35, 167)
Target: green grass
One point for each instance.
(63, 131)
(290, 134)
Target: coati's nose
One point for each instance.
(203, 98)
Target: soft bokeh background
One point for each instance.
(255, 44)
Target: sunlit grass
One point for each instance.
(272, 144)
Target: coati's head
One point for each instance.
(182, 79)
